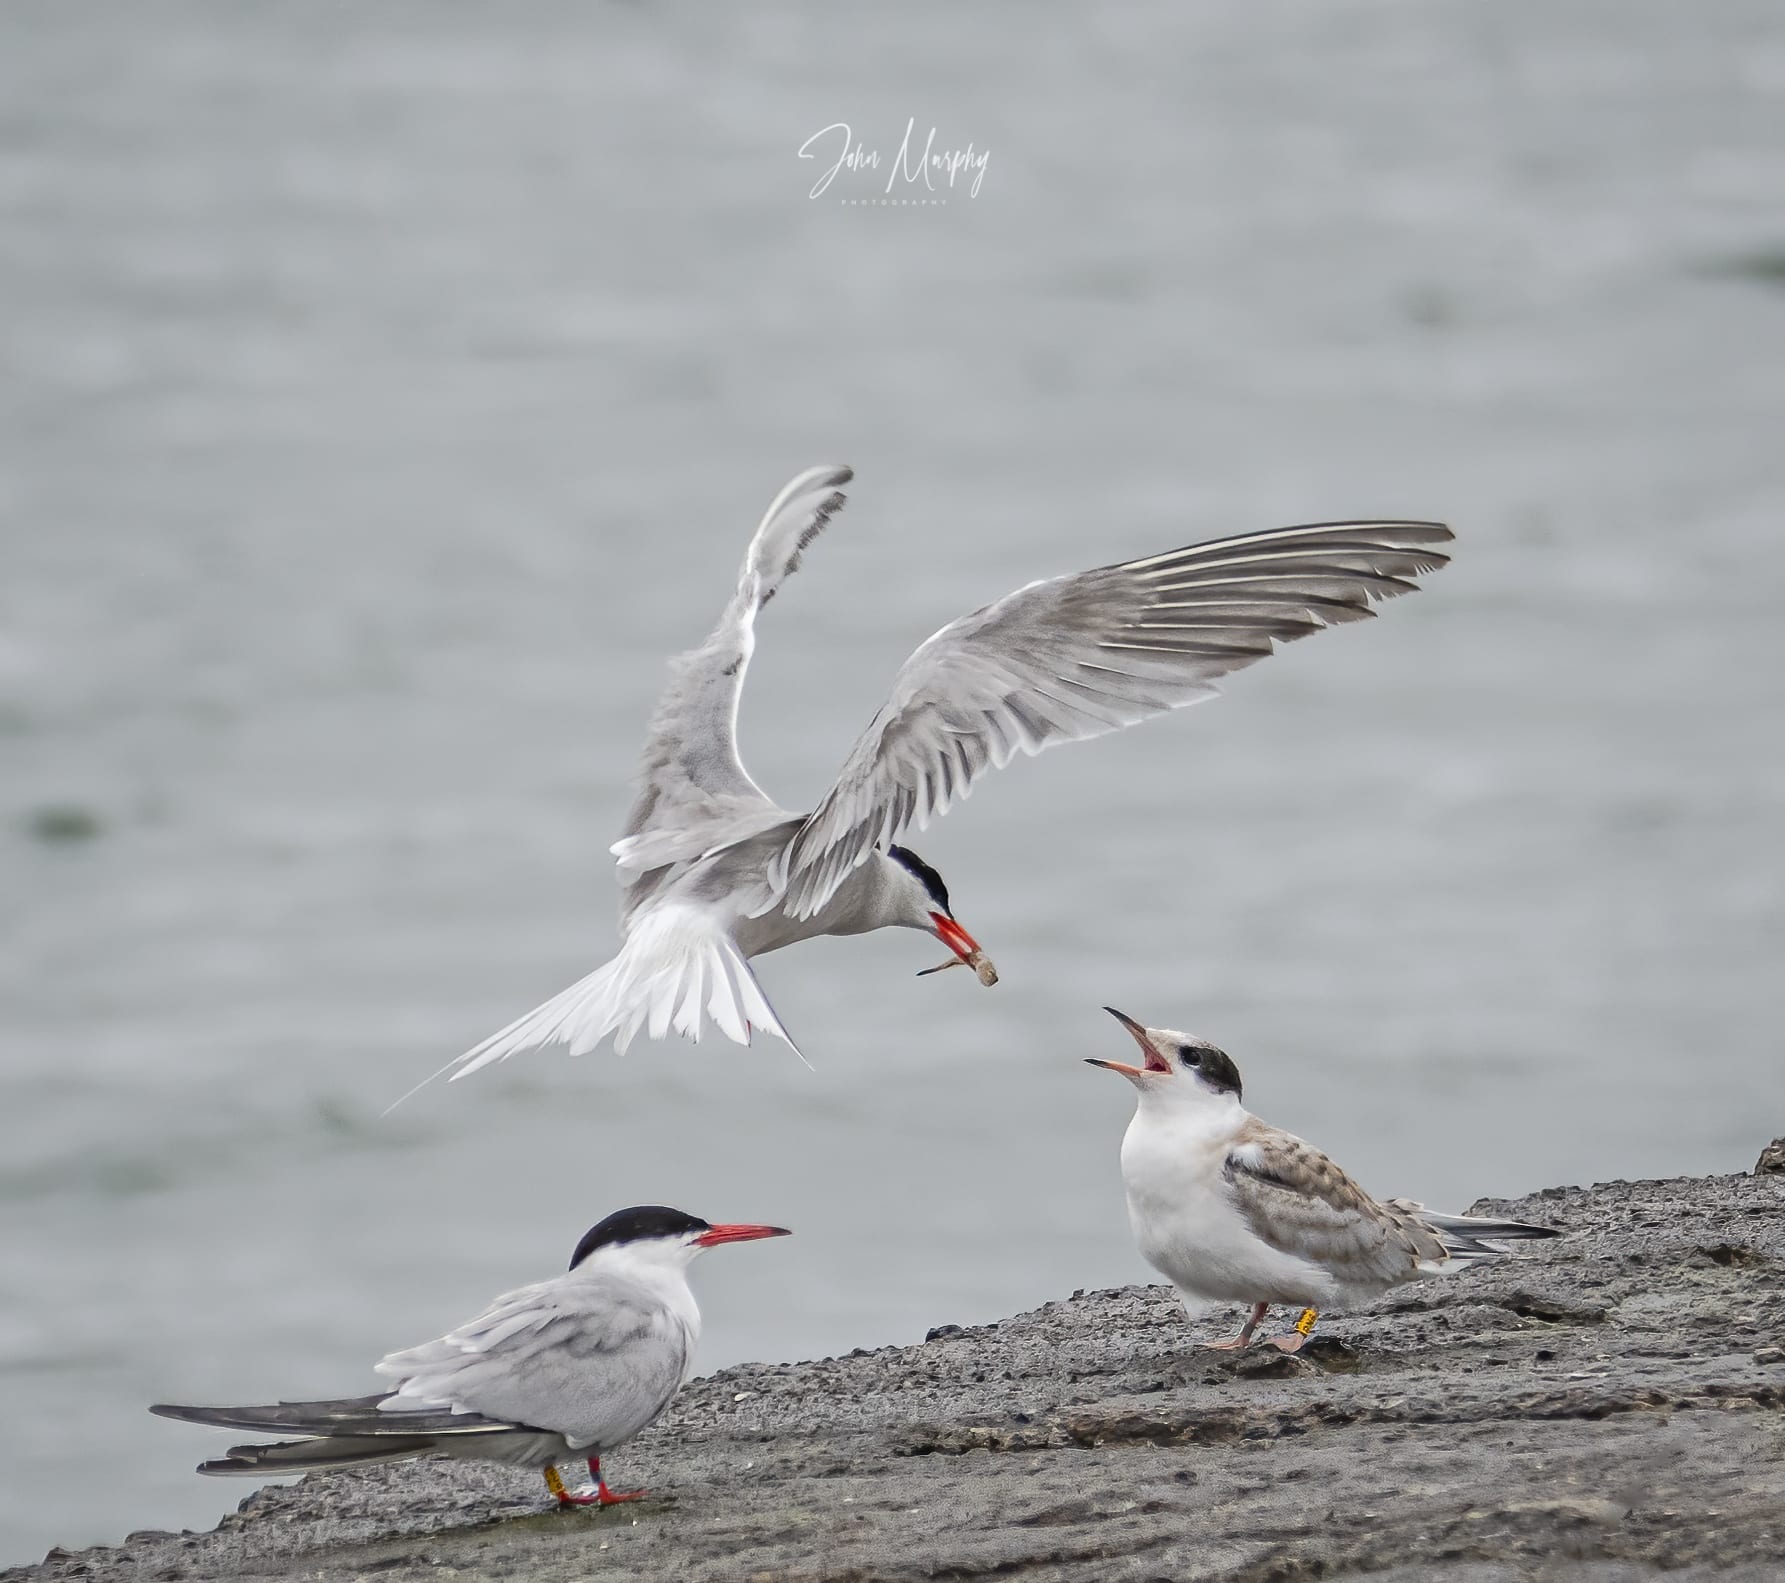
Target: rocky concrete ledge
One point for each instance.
(1607, 1406)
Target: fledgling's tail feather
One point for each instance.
(1470, 1237)
(675, 970)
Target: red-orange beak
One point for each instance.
(965, 947)
(952, 935)
(714, 1235)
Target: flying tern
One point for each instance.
(1230, 1209)
(566, 1369)
(714, 872)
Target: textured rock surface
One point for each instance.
(1603, 1407)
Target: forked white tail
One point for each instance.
(674, 971)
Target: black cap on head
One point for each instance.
(635, 1225)
(927, 876)
(1214, 1066)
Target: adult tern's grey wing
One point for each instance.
(692, 780)
(1075, 657)
(593, 1357)
(353, 1415)
(340, 1433)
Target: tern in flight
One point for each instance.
(715, 872)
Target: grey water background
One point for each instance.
(386, 392)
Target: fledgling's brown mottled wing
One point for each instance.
(1300, 1202)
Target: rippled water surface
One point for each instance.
(387, 391)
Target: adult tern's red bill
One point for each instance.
(565, 1369)
(715, 873)
(1231, 1210)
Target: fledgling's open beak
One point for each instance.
(714, 1235)
(965, 947)
(1155, 1061)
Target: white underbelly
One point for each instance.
(1186, 1227)
(773, 930)
(842, 914)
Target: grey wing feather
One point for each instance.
(300, 1456)
(1301, 1203)
(594, 1358)
(356, 1416)
(1075, 657)
(354, 1430)
(691, 776)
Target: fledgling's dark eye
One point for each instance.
(1189, 1055)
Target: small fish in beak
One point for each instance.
(966, 949)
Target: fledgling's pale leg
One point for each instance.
(1298, 1337)
(1244, 1338)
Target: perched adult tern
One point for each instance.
(566, 1368)
(715, 873)
(1229, 1209)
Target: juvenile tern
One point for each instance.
(1229, 1209)
(564, 1369)
(714, 872)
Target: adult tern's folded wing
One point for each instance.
(594, 1358)
(359, 1416)
(1075, 657)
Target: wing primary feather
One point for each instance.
(1421, 532)
(692, 783)
(1073, 657)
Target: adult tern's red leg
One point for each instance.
(606, 1496)
(600, 1495)
(555, 1484)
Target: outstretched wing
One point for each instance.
(1075, 657)
(691, 777)
(1298, 1201)
(594, 1358)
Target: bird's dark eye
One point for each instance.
(1189, 1055)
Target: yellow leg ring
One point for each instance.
(1305, 1325)
(553, 1482)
